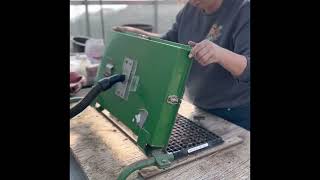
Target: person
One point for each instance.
(219, 33)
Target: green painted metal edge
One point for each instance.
(163, 67)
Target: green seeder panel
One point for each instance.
(161, 71)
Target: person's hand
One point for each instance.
(126, 29)
(138, 31)
(205, 52)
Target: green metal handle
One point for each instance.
(136, 166)
(158, 159)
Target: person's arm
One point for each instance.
(207, 52)
(135, 30)
(237, 61)
(171, 35)
(241, 40)
(233, 62)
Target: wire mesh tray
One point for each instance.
(187, 137)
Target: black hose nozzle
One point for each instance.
(108, 82)
(102, 85)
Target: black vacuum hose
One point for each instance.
(102, 85)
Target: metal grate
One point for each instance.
(188, 137)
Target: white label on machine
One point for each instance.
(197, 148)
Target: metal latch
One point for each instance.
(109, 68)
(173, 99)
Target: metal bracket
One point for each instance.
(162, 160)
(158, 158)
(129, 70)
(109, 68)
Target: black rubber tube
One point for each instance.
(102, 85)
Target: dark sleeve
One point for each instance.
(172, 34)
(241, 39)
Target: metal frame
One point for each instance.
(87, 19)
(102, 20)
(155, 4)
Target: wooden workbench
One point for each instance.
(102, 150)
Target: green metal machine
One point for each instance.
(149, 76)
(148, 101)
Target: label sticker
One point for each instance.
(197, 148)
